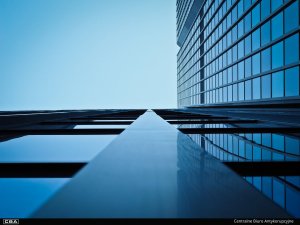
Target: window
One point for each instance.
(256, 88)
(256, 64)
(229, 56)
(276, 4)
(277, 25)
(256, 15)
(234, 73)
(240, 29)
(265, 8)
(241, 91)
(241, 70)
(230, 93)
(248, 90)
(277, 84)
(234, 53)
(256, 39)
(240, 8)
(292, 82)
(247, 4)
(247, 22)
(234, 33)
(247, 44)
(266, 86)
(291, 17)
(235, 94)
(292, 49)
(277, 55)
(229, 74)
(266, 60)
(265, 33)
(225, 94)
(241, 49)
(248, 65)
(234, 14)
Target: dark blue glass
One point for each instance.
(247, 44)
(240, 29)
(256, 15)
(241, 49)
(247, 21)
(292, 145)
(241, 70)
(248, 90)
(276, 4)
(248, 67)
(265, 155)
(266, 60)
(265, 8)
(235, 93)
(277, 84)
(257, 182)
(277, 25)
(267, 186)
(234, 14)
(278, 192)
(278, 142)
(248, 151)
(277, 55)
(266, 86)
(241, 148)
(266, 140)
(293, 202)
(240, 8)
(291, 17)
(241, 91)
(247, 4)
(234, 53)
(234, 33)
(292, 49)
(20, 197)
(292, 82)
(256, 88)
(256, 39)
(265, 34)
(256, 64)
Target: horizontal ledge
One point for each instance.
(88, 123)
(105, 118)
(263, 168)
(106, 131)
(232, 130)
(211, 121)
(39, 170)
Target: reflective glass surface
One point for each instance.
(53, 148)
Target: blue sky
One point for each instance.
(80, 54)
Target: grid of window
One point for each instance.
(241, 50)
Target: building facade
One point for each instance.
(237, 51)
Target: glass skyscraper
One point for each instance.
(237, 51)
(240, 59)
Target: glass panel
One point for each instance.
(256, 39)
(277, 84)
(256, 15)
(266, 60)
(241, 91)
(240, 29)
(292, 82)
(20, 197)
(291, 17)
(256, 88)
(241, 70)
(247, 22)
(235, 93)
(248, 65)
(277, 26)
(277, 55)
(265, 33)
(248, 44)
(248, 90)
(292, 49)
(292, 145)
(266, 86)
(265, 8)
(256, 64)
(276, 4)
(241, 49)
(53, 148)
